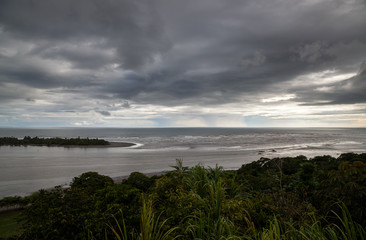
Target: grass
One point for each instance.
(151, 228)
(8, 224)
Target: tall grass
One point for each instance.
(274, 232)
(347, 229)
(151, 228)
(211, 223)
(205, 227)
(121, 232)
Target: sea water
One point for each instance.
(24, 170)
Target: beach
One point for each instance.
(110, 145)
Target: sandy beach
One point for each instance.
(110, 145)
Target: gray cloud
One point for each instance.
(133, 28)
(311, 52)
(104, 113)
(172, 53)
(81, 58)
(256, 60)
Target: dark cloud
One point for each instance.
(312, 52)
(126, 105)
(169, 52)
(104, 113)
(133, 28)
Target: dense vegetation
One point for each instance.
(280, 198)
(12, 141)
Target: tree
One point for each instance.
(90, 182)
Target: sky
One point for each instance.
(191, 63)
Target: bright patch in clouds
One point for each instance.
(326, 77)
(279, 98)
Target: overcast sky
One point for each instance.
(191, 63)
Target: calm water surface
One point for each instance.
(27, 169)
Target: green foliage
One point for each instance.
(114, 198)
(151, 228)
(346, 184)
(280, 198)
(139, 181)
(352, 157)
(179, 166)
(317, 183)
(211, 223)
(347, 229)
(287, 165)
(90, 182)
(12, 141)
(307, 173)
(45, 218)
(15, 201)
(196, 180)
(76, 212)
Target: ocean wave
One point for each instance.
(349, 143)
(164, 149)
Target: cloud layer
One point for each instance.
(182, 63)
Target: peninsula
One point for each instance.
(61, 142)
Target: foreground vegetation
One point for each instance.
(12, 141)
(280, 198)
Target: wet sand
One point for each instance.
(110, 145)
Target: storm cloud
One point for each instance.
(160, 62)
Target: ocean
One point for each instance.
(27, 169)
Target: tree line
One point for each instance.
(56, 141)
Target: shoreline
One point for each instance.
(110, 145)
